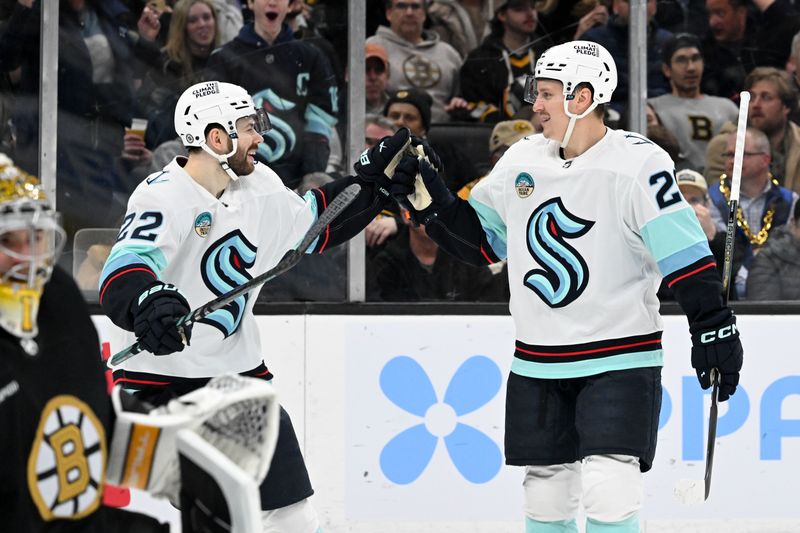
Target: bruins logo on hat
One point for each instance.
(524, 185)
(202, 224)
(402, 94)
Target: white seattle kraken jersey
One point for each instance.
(588, 241)
(207, 246)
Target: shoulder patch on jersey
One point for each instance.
(524, 184)
(202, 224)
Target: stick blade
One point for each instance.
(690, 491)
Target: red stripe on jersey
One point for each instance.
(486, 256)
(595, 350)
(692, 273)
(115, 276)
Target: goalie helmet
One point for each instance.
(215, 103)
(30, 243)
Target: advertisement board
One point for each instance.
(401, 421)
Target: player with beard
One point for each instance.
(773, 100)
(294, 82)
(206, 224)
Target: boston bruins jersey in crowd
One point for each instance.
(55, 414)
(177, 232)
(588, 241)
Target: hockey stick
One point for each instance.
(289, 260)
(688, 491)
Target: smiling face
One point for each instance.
(243, 161)
(549, 107)
(201, 27)
(268, 15)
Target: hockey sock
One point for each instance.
(560, 526)
(629, 525)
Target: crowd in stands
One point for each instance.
(453, 72)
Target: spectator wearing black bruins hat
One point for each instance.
(411, 108)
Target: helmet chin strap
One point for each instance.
(223, 159)
(573, 118)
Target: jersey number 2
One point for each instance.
(148, 221)
(663, 200)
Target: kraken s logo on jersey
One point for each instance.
(281, 139)
(564, 275)
(67, 462)
(224, 267)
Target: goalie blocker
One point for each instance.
(206, 451)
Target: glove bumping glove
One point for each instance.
(423, 191)
(377, 164)
(718, 347)
(155, 317)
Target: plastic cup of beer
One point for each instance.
(138, 127)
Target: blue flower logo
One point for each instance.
(407, 454)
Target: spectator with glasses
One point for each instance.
(763, 205)
(418, 58)
(773, 100)
(694, 117)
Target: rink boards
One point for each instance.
(401, 422)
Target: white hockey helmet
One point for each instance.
(574, 63)
(31, 240)
(216, 103)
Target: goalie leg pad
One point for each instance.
(552, 492)
(299, 517)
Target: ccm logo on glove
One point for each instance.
(721, 334)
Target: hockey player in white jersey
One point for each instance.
(203, 226)
(590, 220)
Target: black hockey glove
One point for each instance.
(428, 152)
(420, 188)
(376, 165)
(154, 319)
(718, 347)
